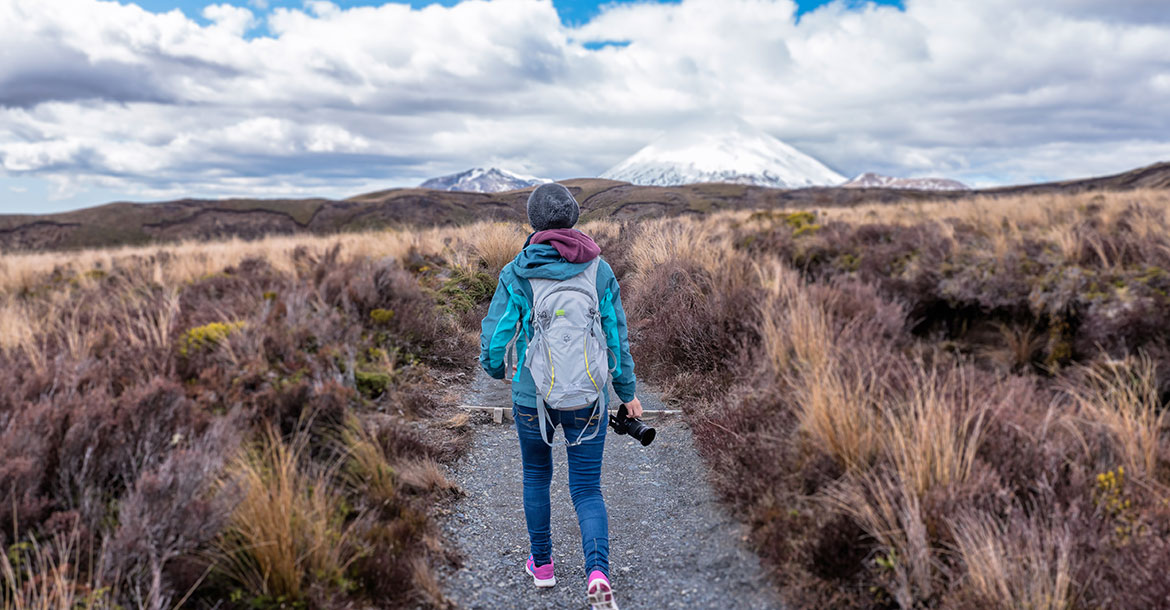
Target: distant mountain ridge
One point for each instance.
(145, 223)
(722, 149)
(875, 180)
(480, 180)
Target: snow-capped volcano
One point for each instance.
(480, 180)
(873, 180)
(722, 149)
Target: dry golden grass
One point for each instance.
(1019, 347)
(704, 242)
(172, 266)
(837, 405)
(601, 228)
(426, 476)
(932, 441)
(794, 329)
(1029, 569)
(367, 466)
(36, 576)
(1008, 213)
(18, 329)
(290, 527)
(182, 262)
(1121, 400)
(838, 410)
(890, 511)
(497, 243)
(1003, 220)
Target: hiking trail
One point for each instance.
(672, 544)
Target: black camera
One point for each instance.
(622, 423)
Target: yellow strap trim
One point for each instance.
(585, 344)
(551, 369)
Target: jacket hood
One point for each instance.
(574, 245)
(543, 261)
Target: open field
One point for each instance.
(120, 224)
(937, 404)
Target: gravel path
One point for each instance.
(672, 545)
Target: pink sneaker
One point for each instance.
(600, 593)
(542, 576)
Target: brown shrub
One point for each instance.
(131, 389)
(889, 376)
(710, 322)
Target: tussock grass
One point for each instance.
(290, 527)
(1010, 213)
(839, 409)
(48, 576)
(890, 511)
(1029, 566)
(426, 476)
(703, 244)
(183, 262)
(601, 229)
(496, 244)
(1120, 399)
(794, 330)
(932, 436)
(367, 466)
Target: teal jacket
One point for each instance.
(512, 303)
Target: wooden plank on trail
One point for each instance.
(499, 414)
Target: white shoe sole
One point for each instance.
(601, 598)
(551, 582)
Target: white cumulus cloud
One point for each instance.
(328, 101)
(234, 19)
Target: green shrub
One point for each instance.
(372, 384)
(206, 337)
(382, 317)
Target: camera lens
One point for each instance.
(641, 431)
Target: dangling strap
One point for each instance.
(594, 412)
(543, 420)
(510, 355)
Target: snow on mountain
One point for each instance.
(873, 180)
(722, 149)
(480, 180)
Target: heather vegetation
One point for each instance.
(936, 405)
(950, 404)
(230, 425)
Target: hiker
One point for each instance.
(560, 304)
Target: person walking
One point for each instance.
(558, 308)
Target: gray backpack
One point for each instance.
(567, 354)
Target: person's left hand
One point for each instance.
(634, 407)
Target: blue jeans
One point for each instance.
(584, 483)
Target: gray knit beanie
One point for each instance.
(551, 206)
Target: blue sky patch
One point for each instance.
(594, 45)
(573, 12)
(805, 6)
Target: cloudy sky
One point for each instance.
(103, 101)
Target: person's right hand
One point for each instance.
(634, 408)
